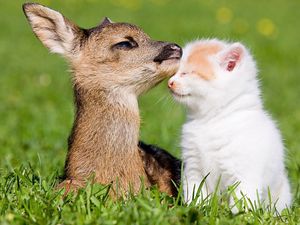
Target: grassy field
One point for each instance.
(36, 108)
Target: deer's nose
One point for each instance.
(175, 47)
(169, 51)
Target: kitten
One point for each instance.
(228, 134)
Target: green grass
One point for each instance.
(36, 108)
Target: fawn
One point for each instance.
(111, 64)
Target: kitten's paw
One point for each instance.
(235, 210)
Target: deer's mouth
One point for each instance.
(173, 58)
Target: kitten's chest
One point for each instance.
(218, 135)
(209, 145)
(205, 138)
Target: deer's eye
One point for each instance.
(125, 45)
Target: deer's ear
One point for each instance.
(105, 22)
(56, 32)
(232, 56)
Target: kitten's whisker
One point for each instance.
(160, 99)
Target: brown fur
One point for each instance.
(104, 142)
(158, 175)
(107, 79)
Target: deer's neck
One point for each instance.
(106, 127)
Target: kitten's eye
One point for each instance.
(125, 45)
(183, 74)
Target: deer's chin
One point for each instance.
(170, 66)
(171, 61)
(146, 86)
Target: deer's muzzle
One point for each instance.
(169, 51)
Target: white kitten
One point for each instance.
(228, 133)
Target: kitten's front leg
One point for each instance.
(246, 192)
(190, 187)
(192, 180)
(191, 191)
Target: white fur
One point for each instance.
(228, 134)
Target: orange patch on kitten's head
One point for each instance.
(198, 59)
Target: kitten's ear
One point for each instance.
(231, 56)
(56, 32)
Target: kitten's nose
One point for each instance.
(171, 83)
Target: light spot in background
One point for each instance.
(224, 15)
(240, 26)
(266, 27)
(44, 80)
(127, 4)
(10, 217)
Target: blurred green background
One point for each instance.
(36, 103)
